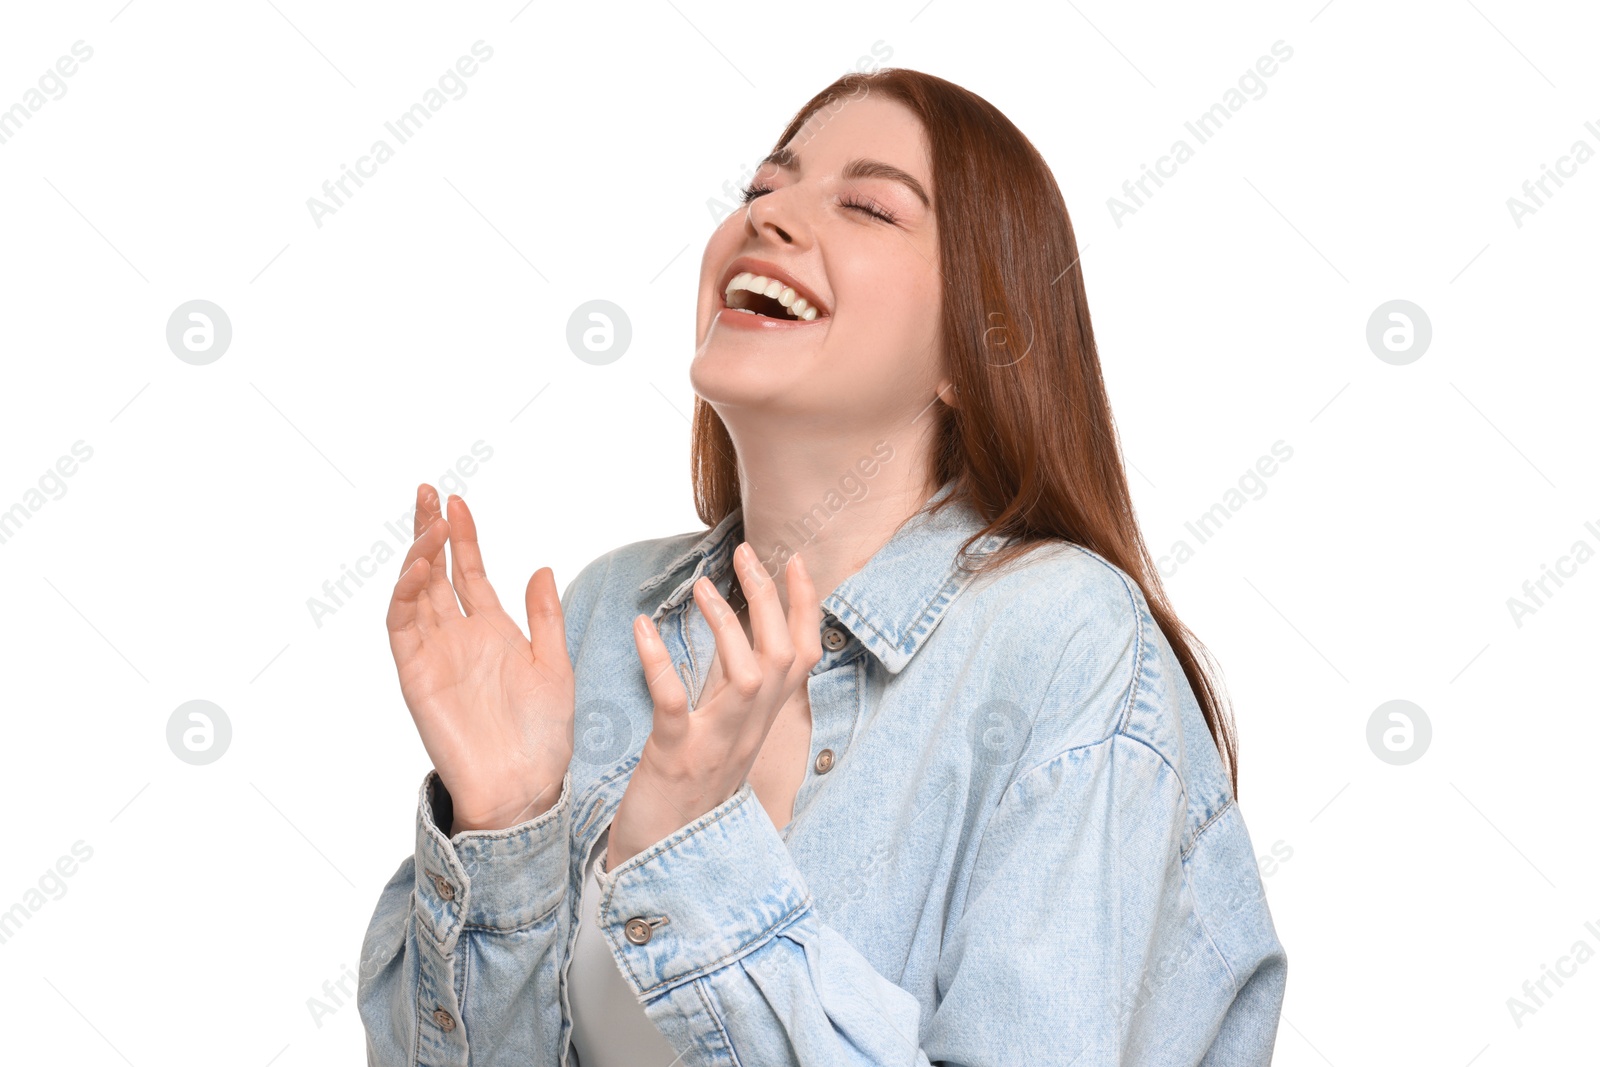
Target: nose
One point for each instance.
(778, 216)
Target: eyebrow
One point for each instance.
(785, 159)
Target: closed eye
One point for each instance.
(870, 208)
(865, 206)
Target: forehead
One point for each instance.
(868, 125)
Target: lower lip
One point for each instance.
(738, 320)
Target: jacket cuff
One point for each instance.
(497, 879)
(710, 893)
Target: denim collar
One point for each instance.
(892, 603)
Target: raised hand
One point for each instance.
(494, 708)
(692, 762)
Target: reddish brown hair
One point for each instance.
(1032, 446)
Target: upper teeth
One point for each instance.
(783, 294)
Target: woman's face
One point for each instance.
(870, 358)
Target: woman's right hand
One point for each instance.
(494, 709)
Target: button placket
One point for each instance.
(835, 695)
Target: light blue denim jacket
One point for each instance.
(1014, 844)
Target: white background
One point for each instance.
(429, 313)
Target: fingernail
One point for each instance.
(800, 565)
(712, 597)
(752, 564)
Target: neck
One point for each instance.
(834, 499)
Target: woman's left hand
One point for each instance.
(693, 761)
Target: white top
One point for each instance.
(609, 1026)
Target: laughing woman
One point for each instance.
(905, 759)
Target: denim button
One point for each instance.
(637, 930)
(824, 762)
(445, 889)
(833, 639)
(445, 1020)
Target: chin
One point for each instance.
(724, 378)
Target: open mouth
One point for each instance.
(756, 294)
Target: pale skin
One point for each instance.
(803, 406)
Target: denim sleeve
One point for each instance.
(465, 943)
(738, 969)
(1088, 936)
(1094, 934)
(464, 947)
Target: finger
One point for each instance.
(440, 592)
(471, 583)
(740, 669)
(805, 616)
(409, 614)
(547, 629)
(426, 546)
(428, 511)
(422, 512)
(667, 695)
(774, 648)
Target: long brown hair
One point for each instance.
(1032, 446)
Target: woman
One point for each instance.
(955, 788)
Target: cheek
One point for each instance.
(705, 302)
(893, 336)
(912, 312)
(924, 357)
(889, 297)
(720, 248)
